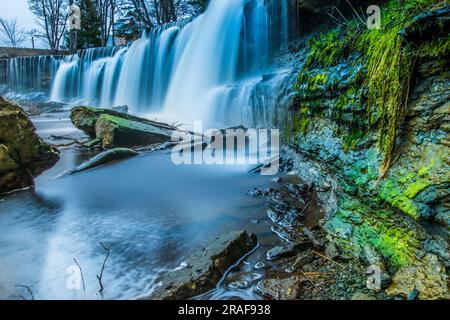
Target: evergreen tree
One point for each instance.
(199, 5)
(90, 35)
(128, 26)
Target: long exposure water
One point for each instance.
(152, 213)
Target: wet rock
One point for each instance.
(315, 237)
(239, 284)
(281, 251)
(292, 236)
(427, 276)
(121, 109)
(101, 159)
(280, 288)
(428, 25)
(205, 267)
(115, 129)
(23, 155)
(297, 190)
(331, 251)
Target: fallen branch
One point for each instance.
(312, 282)
(331, 260)
(71, 143)
(100, 276)
(306, 207)
(30, 292)
(317, 273)
(81, 272)
(274, 208)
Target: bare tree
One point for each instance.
(12, 35)
(142, 9)
(106, 10)
(51, 16)
(157, 12)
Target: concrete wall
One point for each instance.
(7, 52)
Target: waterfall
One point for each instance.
(186, 70)
(31, 74)
(208, 59)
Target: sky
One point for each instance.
(19, 8)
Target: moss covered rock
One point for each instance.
(23, 155)
(116, 129)
(373, 112)
(427, 276)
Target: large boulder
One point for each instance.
(116, 129)
(205, 267)
(23, 155)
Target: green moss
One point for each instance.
(436, 48)
(351, 139)
(395, 195)
(380, 229)
(416, 187)
(326, 48)
(388, 68)
(425, 170)
(301, 120)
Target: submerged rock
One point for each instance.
(205, 267)
(102, 158)
(23, 155)
(116, 129)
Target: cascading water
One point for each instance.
(31, 74)
(185, 69)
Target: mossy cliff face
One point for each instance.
(23, 155)
(373, 110)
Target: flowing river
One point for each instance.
(214, 68)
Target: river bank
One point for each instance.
(66, 219)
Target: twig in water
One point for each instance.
(30, 292)
(306, 207)
(312, 282)
(81, 272)
(100, 276)
(71, 143)
(325, 257)
(274, 208)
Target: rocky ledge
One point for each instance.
(23, 155)
(204, 268)
(371, 121)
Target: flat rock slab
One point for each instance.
(205, 267)
(280, 288)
